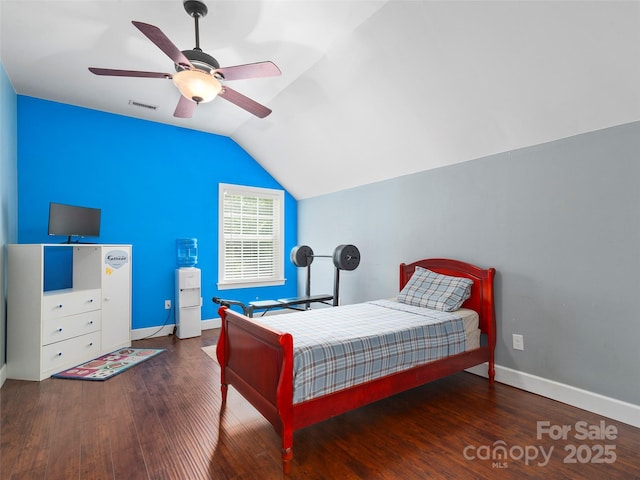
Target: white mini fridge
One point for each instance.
(188, 302)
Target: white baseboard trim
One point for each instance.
(151, 332)
(211, 323)
(593, 402)
(3, 374)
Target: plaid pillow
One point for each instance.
(435, 291)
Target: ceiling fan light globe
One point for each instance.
(197, 85)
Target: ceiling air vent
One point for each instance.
(143, 105)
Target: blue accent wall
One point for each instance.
(154, 183)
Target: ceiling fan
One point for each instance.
(198, 75)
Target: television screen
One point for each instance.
(73, 221)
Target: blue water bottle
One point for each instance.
(187, 252)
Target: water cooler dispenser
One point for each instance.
(188, 293)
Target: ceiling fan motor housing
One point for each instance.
(200, 60)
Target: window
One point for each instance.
(251, 229)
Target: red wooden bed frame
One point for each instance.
(258, 361)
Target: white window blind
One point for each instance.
(251, 236)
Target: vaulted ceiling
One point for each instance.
(369, 90)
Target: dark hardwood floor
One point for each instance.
(162, 420)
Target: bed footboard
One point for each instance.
(258, 362)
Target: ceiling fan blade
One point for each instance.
(250, 70)
(154, 34)
(128, 73)
(242, 101)
(185, 108)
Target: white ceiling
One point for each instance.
(370, 90)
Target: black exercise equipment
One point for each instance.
(345, 257)
(302, 256)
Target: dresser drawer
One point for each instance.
(71, 352)
(56, 329)
(70, 303)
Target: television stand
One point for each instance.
(49, 331)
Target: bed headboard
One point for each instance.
(481, 299)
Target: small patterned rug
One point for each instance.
(109, 365)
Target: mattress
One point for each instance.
(336, 348)
(471, 321)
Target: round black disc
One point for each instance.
(346, 257)
(301, 256)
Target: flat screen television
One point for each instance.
(73, 221)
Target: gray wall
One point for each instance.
(559, 221)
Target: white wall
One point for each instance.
(425, 84)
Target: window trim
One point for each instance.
(260, 192)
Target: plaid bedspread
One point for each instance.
(336, 348)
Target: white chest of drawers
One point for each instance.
(49, 331)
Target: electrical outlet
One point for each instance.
(167, 304)
(518, 342)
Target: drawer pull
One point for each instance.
(91, 300)
(91, 344)
(59, 354)
(90, 322)
(59, 329)
(60, 305)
